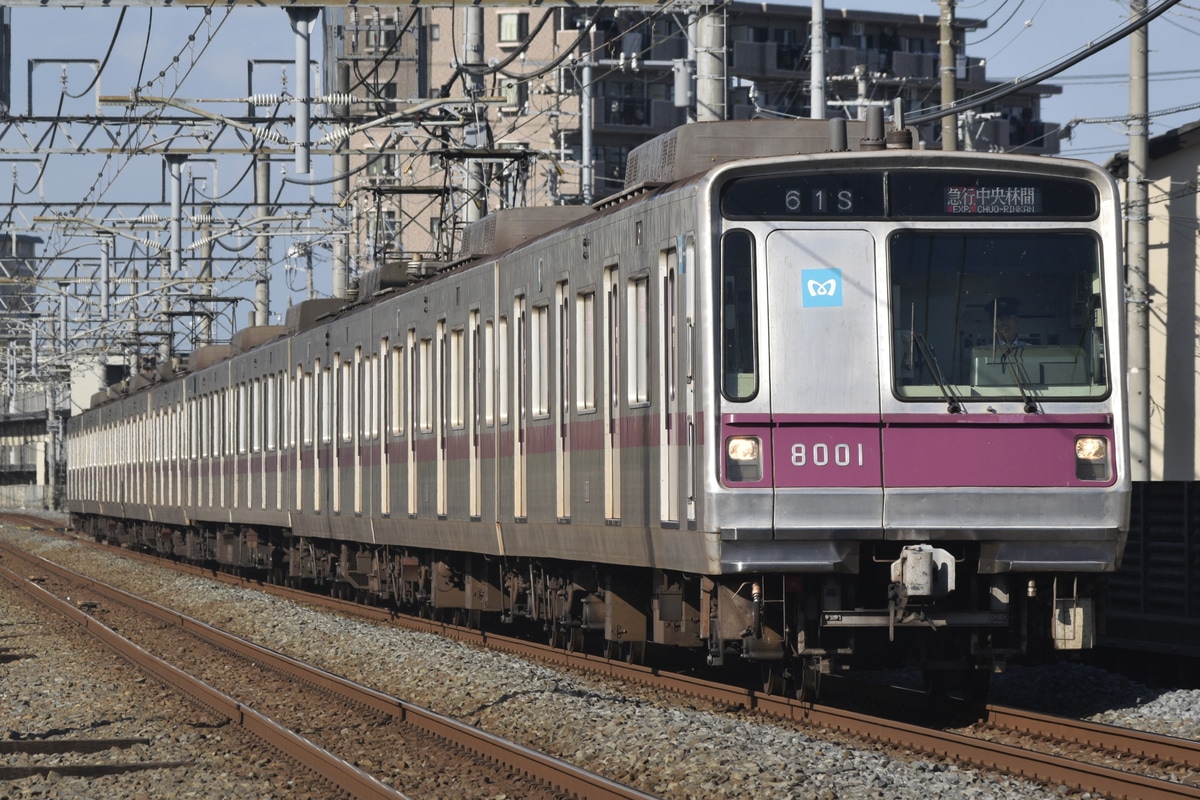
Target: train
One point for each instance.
(762, 406)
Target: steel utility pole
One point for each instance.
(710, 65)
(817, 49)
(1138, 251)
(946, 68)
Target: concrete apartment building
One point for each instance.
(547, 81)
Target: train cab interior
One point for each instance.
(997, 316)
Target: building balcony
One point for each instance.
(637, 114)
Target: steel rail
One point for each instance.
(1053, 770)
(340, 773)
(1093, 734)
(561, 775)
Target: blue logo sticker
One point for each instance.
(822, 288)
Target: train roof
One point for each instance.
(692, 149)
(678, 156)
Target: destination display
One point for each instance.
(907, 194)
(805, 196)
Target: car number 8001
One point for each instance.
(825, 455)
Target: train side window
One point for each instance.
(489, 378)
(638, 339)
(540, 376)
(256, 418)
(585, 343)
(347, 405)
(270, 411)
(738, 351)
(243, 414)
(502, 353)
(458, 366)
(193, 417)
(202, 423)
(397, 390)
(283, 409)
(326, 406)
(425, 379)
(362, 386)
(306, 410)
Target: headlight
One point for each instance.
(743, 459)
(742, 448)
(1091, 458)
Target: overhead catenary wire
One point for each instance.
(991, 95)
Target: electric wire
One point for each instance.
(996, 93)
(107, 55)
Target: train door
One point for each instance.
(473, 417)
(668, 433)
(337, 400)
(562, 405)
(822, 374)
(303, 443)
(322, 463)
(612, 394)
(410, 355)
(387, 424)
(441, 423)
(520, 387)
(356, 434)
(687, 277)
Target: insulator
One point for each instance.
(270, 135)
(337, 99)
(151, 218)
(756, 592)
(264, 99)
(338, 134)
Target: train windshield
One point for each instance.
(988, 315)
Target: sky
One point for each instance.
(1021, 37)
(1024, 36)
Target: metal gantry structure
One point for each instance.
(227, 201)
(172, 268)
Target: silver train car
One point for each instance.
(766, 403)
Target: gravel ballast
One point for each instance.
(625, 732)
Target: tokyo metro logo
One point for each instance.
(822, 288)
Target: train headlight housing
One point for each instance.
(1091, 458)
(743, 459)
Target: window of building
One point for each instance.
(514, 27)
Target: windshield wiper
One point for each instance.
(935, 371)
(1005, 362)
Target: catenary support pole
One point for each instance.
(1138, 251)
(946, 69)
(817, 48)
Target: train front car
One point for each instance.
(920, 409)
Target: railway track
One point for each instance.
(1109, 761)
(306, 706)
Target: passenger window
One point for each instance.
(738, 353)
